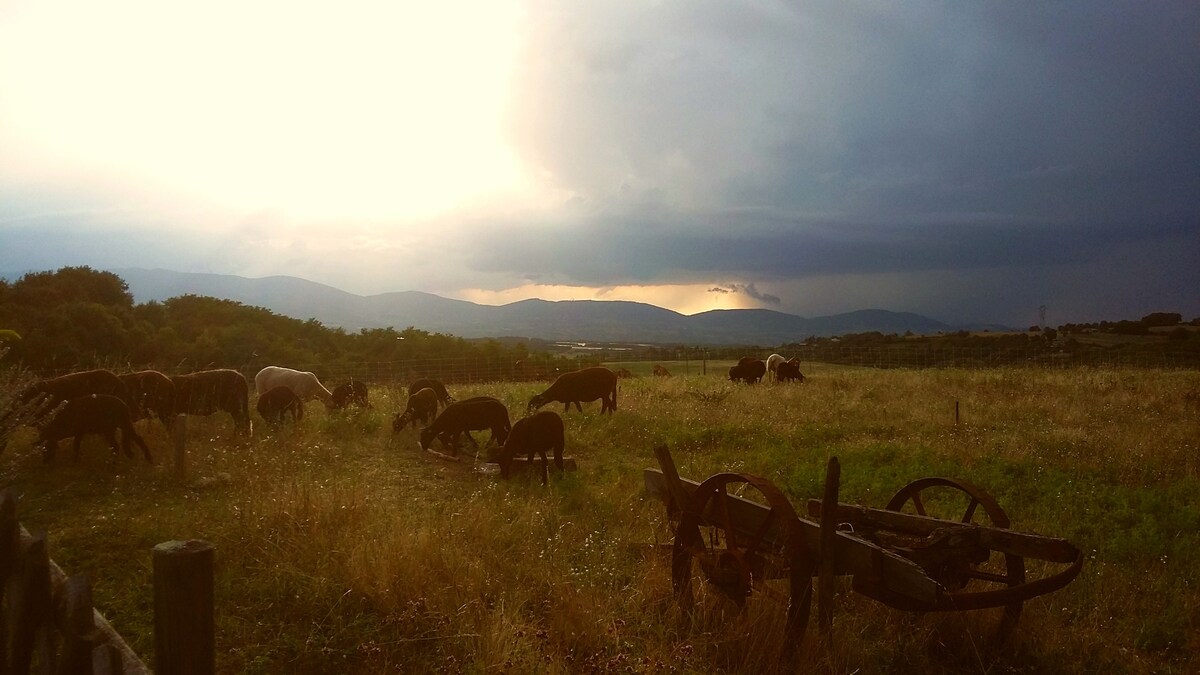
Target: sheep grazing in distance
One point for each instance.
(305, 384)
(789, 372)
(279, 401)
(207, 391)
(773, 362)
(623, 373)
(463, 417)
(535, 434)
(584, 385)
(435, 385)
(151, 394)
(56, 390)
(749, 370)
(661, 371)
(422, 406)
(351, 392)
(34, 404)
(93, 414)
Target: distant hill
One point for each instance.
(579, 320)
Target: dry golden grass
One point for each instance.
(343, 548)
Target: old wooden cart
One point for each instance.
(909, 555)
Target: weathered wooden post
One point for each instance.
(955, 412)
(31, 605)
(825, 574)
(179, 444)
(77, 620)
(10, 548)
(183, 608)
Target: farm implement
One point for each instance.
(939, 545)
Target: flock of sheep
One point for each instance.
(101, 402)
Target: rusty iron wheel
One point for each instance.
(737, 558)
(960, 501)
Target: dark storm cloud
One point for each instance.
(749, 290)
(784, 140)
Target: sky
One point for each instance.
(967, 161)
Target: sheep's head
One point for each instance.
(426, 437)
(505, 461)
(535, 403)
(400, 421)
(733, 374)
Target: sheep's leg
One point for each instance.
(545, 466)
(111, 435)
(130, 433)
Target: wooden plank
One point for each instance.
(184, 626)
(1026, 545)
(828, 556)
(108, 638)
(853, 555)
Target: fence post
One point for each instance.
(183, 608)
(31, 604)
(828, 532)
(179, 444)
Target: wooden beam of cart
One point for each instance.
(1034, 546)
(853, 556)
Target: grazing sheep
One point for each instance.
(280, 400)
(790, 371)
(207, 391)
(462, 417)
(351, 392)
(773, 362)
(538, 433)
(34, 404)
(151, 394)
(93, 414)
(422, 406)
(661, 371)
(305, 384)
(435, 385)
(749, 369)
(623, 373)
(76, 385)
(588, 384)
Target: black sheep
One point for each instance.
(151, 394)
(94, 414)
(279, 401)
(435, 385)
(422, 405)
(789, 371)
(538, 433)
(588, 384)
(351, 392)
(207, 391)
(462, 417)
(748, 370)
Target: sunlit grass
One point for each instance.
(343, 548)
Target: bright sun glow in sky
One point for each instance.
(354, 110)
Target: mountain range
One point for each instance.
(573, 320)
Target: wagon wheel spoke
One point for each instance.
(737, 565)
(946, 498)
(970, 513)
(918, 504)
(756, 542)
(988, 576)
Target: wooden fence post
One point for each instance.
(825, 578)
(179, 444)
(30, 604)
(10, 547)
(183, 608)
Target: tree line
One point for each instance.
(76, 318)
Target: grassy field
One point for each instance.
(343, 548)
